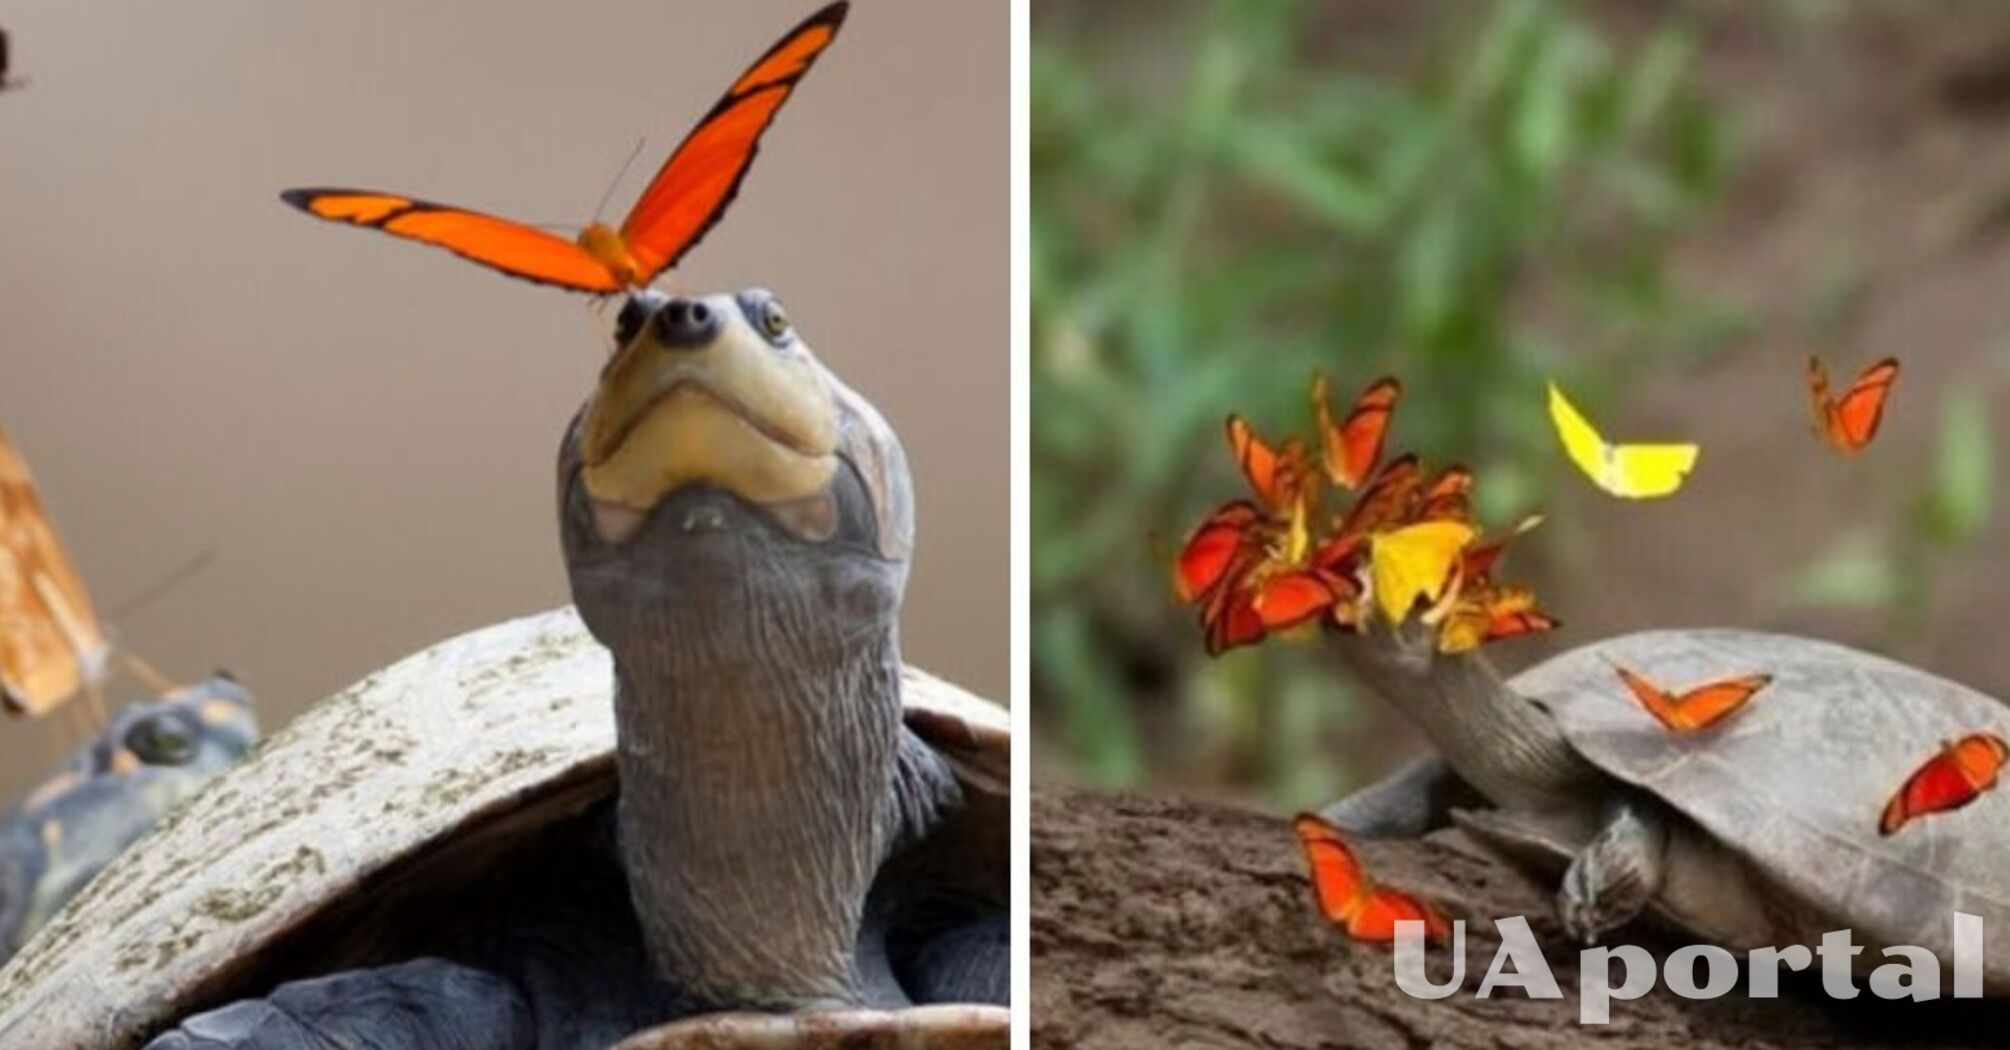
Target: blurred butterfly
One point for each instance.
(683, 201)
(1958, 775)
(1280, 476)
(51, 644)
(1349, 898)
(1626, 471)
(1699, 708)
(1491, 613)
(1351, 449)
(1214, 548)
(1848, 422)
(1416, 562)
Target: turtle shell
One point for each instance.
(1795, 781)
(412, 772)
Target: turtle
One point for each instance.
(153, 755)
(708, 808)
(1762, 830)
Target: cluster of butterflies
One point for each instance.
(1846, 422)
(1350, 898)
(1405, 544)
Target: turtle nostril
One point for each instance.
(686, 324)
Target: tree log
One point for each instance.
(1163, 923)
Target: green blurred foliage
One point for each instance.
(1208, 232)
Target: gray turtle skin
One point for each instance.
(154, 755)
(1760, 831)
(467, 851)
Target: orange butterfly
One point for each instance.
(1956, 776)
(1214, 548)
(1351, 450)
(1699, 708)
(686, 198)
(1490, 613)
(1848, 422)
(1281, 476)
(1449, 496)
(51, 645)
(1351, 900)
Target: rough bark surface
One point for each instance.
(1161, 923)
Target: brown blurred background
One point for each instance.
(1665, 204)
(363, 430)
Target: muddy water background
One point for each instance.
(363, 431)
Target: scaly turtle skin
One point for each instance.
(1762, 830)
(771, 835)
(154, 755)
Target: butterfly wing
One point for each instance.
(1854, 418)
(1351, 449)
(1415, 562)
(1387, 499)
(1650, 471)
(1949, 780)
(1291, 598)
(50, 639)
(1818, 396)
(1449, 496)
(1489, 614)
(1581, 441)
(1212, 550)
(499, 244)
(693, 188)
(1706, 705)
(1231, 620)
(1267, 469)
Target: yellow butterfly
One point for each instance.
(1416, 561)
(1627, 471)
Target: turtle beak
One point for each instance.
(699, 395)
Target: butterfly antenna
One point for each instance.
(174, 578)
(601, 208)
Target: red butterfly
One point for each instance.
(1958, 775)
(1848, 422)
(1351, 900)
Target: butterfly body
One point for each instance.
(607, 247)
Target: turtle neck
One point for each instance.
(757, 707)
(1499, 741)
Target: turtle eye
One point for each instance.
(159, 742)
(774, 322)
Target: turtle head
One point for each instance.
(199, 730)
(716, 444)
(737, 524)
